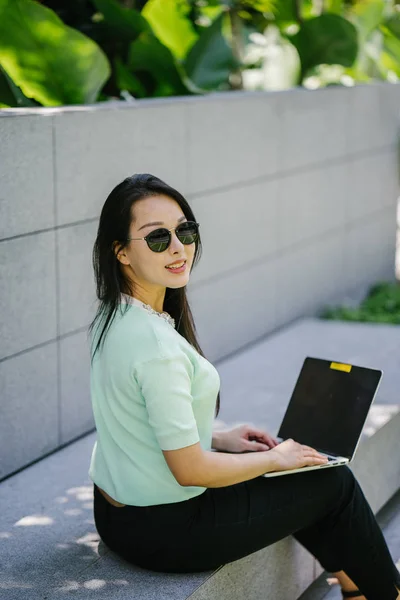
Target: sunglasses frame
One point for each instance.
(169, 232)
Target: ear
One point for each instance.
(120, 253)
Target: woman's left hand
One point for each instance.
(245, 438)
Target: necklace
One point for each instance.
(135, 301)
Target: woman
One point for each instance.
(162, 499)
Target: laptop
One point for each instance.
(328, 409)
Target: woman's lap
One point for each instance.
(224, 524)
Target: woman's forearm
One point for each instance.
(220, 469)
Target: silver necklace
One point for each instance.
(135, 301)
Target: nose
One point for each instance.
(176, 244)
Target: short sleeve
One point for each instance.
(165, 384)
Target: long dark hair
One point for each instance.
(115, 220)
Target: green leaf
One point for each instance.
(148, 55)
(285, 11)
(382, 305)
(327, 39)
(261, 5)
(367, 15)
(210, 61)
(393, 25)
(50, 62)
(391, 44)
(126, 80)
(11, 94)
(7, 98)
(334, 6)
(388, 63)
(170, 24)
(127, 23)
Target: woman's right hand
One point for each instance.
(292, 455)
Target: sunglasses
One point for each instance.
(159, 239)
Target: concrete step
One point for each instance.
(50, 549)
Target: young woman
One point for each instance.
(163, 499)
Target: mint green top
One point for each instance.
(151, 391)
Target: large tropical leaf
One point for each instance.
(171, 25)
(7, 97)
(147, 55)
(285, 11)
(334, 6)
(126, 80)
(327, 39)
(393, 25)
(10, 94)
(125, 24)
(50, 62)
(391, 44)
(367, 16)
(261, 5)
(210, 60)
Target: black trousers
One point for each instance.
(325, 510)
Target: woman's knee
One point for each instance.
(341, 482)
(335, 484)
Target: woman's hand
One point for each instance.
(244, 438)
(292, 455)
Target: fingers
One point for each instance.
(310, 454)
(254, 446)
(316, 459)
(264, 437)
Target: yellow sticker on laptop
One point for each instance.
(340, 367)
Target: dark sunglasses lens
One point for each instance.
(158, 240)
(187, 232)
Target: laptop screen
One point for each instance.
(329, 406)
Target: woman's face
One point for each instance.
(147, 268)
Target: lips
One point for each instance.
(174, 264)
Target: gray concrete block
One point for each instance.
(369, 248)
(389, 104)
(28, 292)
(76, 279)
(26, 159)
(312, 203)
(376, 464)
(113, 144)
(235, 308)
(75, 403)
(231, 139)
(309, 120)
(263, 574)
(244, 239)
(365, 130)
(309, 276)
(373, 185)
(29, 408)
(388, 170)
(365, 186)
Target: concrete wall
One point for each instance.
(303, 184)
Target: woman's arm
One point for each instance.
(193, 466)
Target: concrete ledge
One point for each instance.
(49, 546)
